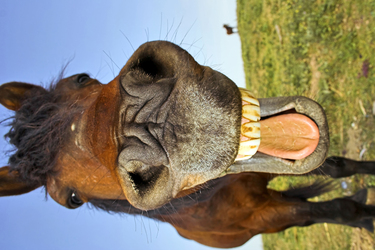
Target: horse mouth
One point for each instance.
(268, 163)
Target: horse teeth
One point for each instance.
(249, 148)
(248, 97)
(251, 100)
(251, 112)
(251, 129)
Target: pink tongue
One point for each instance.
(290, 136)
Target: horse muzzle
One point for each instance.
(180, 126)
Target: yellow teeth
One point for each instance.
(249, 147)
(250, 126)
(251, 129)
(251, 112)
(248, 97)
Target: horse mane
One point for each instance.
(37, 131)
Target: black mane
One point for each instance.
(38, 130)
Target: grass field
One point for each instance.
(324, 50)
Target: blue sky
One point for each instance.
(97, 37)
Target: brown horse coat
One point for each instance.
(159, 138)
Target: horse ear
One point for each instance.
(12, 94)
(11, 184)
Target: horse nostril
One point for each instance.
(133, 166)
(143, 177)
(149, 66)
(154, 66)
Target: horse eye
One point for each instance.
(82, 78)
(74, 201)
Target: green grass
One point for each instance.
(316, 49)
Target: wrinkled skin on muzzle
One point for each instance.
(179, 124)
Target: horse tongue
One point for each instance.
(289, 136)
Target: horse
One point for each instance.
(230, 30)
(178, 142)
